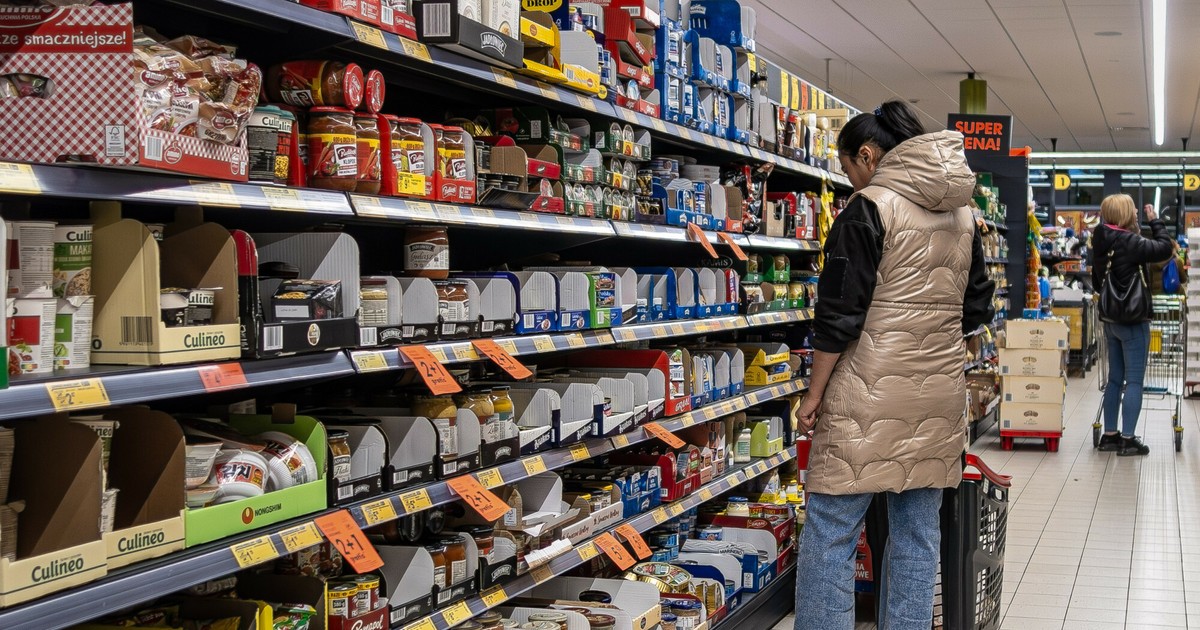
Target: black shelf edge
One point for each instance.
(765, 608)
(981, 427)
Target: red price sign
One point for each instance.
(482, 500)
(696, 233)
(657, 430)
(493, 351)
(737, 250)
(350, 541)
(431, 370)
(615, 551)
(222, 376)
(635, 540)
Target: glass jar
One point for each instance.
(601, 622)
(370, 175)
(593, 595)
(443, 413)
(454, 302)
(456, 558)
(602, 492)
(502, 404)
(441, 565)
(687, 614)
(485, 539)
(540, 625)
(332, 149)
(480, 403)
(312, 83)
(373, 303)
(427, 252)
(408, 154)
(738, 506)
(339, 454)
(668, 621)
(552, 617)
(451, 152)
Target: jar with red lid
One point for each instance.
(374, 92)
(366, 131)
(332, 149)
(316, 83)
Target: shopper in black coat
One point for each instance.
(1120, 253)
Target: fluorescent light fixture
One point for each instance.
(1122, 155)
(1160, 70)
(1157, 197)
(1108, 167)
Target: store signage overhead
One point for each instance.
(984, 133)
(1062, 181)
(1191, 182)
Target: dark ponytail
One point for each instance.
(892, 123)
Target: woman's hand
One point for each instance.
(1150, 213)
(809, 407)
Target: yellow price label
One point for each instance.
(422, 209)
(490, 478)
(255, 551)
(483, 213)
(546, 90)
(494, 596)
(534, 465)
(509, 345)
(541, 574)
(586, 102)
(542, 343)
(706, 494)
(604, 338)
(368, 35)
(438, 353)
(658, 124)
(628, 115)
(675, 510)
(588, 551)
(688, 421)
(415, 501)
(447, 211)
(464, 352)
(81, 394)
(300, 537)
(18, 178)
(623, 335)
(677, 329)
(580, 452)
(369, 361)
(414, 49)
(659, 516)
(710, 413)
(424, 624)
(457, 613)
(378, 512)
(620, 441)
(576, 340)
(282, 198)
(504, 77)
(215, 194)
(658, 331)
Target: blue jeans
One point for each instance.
(1128, 345)
(825, 567)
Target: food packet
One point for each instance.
(292, 616)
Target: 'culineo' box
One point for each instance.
(1034, 389)
(1027, 362)
(1037, 334)
(1044, 418)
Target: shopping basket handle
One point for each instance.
(1004, 481)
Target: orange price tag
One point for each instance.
(658, 431)
(431, 370)
(615, 551)
(697, 234)
(635, 540)
(737, 249)
(502, 358)
(482, 500)
(222, 376)
(349, 540)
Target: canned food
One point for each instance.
(340, 600)
(370, 584)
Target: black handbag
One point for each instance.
(1124, 303)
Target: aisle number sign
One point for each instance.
(1191, 183)
(1062, 181)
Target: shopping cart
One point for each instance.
(1165, 362)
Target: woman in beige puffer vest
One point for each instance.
(904, 277)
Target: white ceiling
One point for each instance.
(1042, 59)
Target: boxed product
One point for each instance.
(1039, 334)
(1034, 389)
(1027, 362)
(1040, 417)
(118, 95)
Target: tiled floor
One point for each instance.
(1096, 541)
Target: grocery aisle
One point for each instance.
(1096, 541)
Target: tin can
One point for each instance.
(370, 584)
(262, 142)
(340, 600)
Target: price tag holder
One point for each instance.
(534, 465)
(504, 77)
(18, 178)
(431, 370)
(658, 124)
(456, 614)
(84, 393)
(675, 510)
(696, 234)
(415, 501)
(254, 551)
(620, 441)
(660, 432)
(576, 340)
(379, 511)
(635, 540)
(541, 574)
(502, 358)
(424, 624)
(369, 361)
(214, 194)
(300, 537)
(414, 49)
(706, 494)
(494, 596)
(508, 345)
(615, 551)
(490, 478)
(677, 329)
(222, 376)
(482, 500)
(543, 343)
(464, 353)
(737, 249)
(659, 516)
(588, 551)
(282, 198)
(368, 35)
(579, 452)
(350, 541)
(586, 102)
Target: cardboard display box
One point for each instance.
(1038, 334)
(1026, 362)
(129, 269)
(465, 35)
(1040, 417)
(1034, 389)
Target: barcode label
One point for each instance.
(138, 331)
(386, 14)
(530, 320)
(114, 140)
(368, 336)
(437, 19)
(487, 326)
(448, 329)
(154, 148)
(408, 330)
(272, 338)
(345, 492)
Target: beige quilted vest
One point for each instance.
(893, 417)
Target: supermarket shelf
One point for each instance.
(149, 580)
(990, 417)
(124, 385)
(447, 618)
(1000, 227)
(996, 261)
(765, 608)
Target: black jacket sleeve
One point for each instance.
(1157, 248)
(847, 283)
(978, 307)
(1127, 251)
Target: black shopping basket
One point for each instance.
(974, 522)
